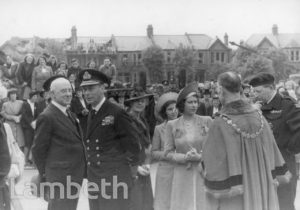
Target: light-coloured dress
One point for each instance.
(9, 109)
(39, 75)
(165, 169)
(187, 185)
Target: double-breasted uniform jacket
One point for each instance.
(284, 119)
(112, 144)
(58, 149)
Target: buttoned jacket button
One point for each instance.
(97, 148)
(97, 140)
(98, 163)
(98, 155)
(89, 163)
(88, 141)
(88, 148)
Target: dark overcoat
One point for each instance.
(58, 152)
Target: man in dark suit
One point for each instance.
(283, 116)
(5, 162)
(112, 146)
(58, 149)
(215, 108)
(28, 122)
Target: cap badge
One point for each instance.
(86, 76)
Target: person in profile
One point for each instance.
(58, 149)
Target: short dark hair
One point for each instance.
(180, 105)
(163, 109)
(230, 81)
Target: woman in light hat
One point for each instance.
(166, 108)
(141, 193)
(184, 139)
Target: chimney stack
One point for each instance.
(74, 37)
(275, 30)
(150, 31)
(226, 39)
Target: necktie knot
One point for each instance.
(93, 113)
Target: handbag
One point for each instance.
(17, 156)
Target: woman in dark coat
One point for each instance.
(141, 194)
(25, 74)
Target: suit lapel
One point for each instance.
(65, 120)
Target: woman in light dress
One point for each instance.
(11, 111)
(166, 109)
(184, 139)
(40, 74)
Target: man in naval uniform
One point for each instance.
(283, 116)
(112, 146)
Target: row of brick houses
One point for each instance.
(126, 52)
(288, 42)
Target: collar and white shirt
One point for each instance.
(99, 105)
(63, 109)
(31, 104)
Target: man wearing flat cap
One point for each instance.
(112, 145)
(284, 119)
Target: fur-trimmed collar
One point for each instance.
(237, 107)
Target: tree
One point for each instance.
(216, 69)
(280, 63)
(55, 48)
(255, 64)
(249, 61)
(184, 60)
(153, 59)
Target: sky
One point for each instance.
(55, 18)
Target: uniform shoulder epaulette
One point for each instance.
(297, 105)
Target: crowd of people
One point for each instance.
(223, 144)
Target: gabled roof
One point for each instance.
(200, 41)
(87, 42)
(264, 41)
(95, 39)
(132, 43)
(279, 41)
(170, 42)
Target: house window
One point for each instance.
(124, 58)
(139, 58)
(297, 55)
(134, 59)
(168, 57)
(212, 59)
(135, 77)
(222, 57)
(292, 56)
(200, 56)
(217, 56)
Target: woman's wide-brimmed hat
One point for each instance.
(164, 98)
(190, 88)
(136, 94)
